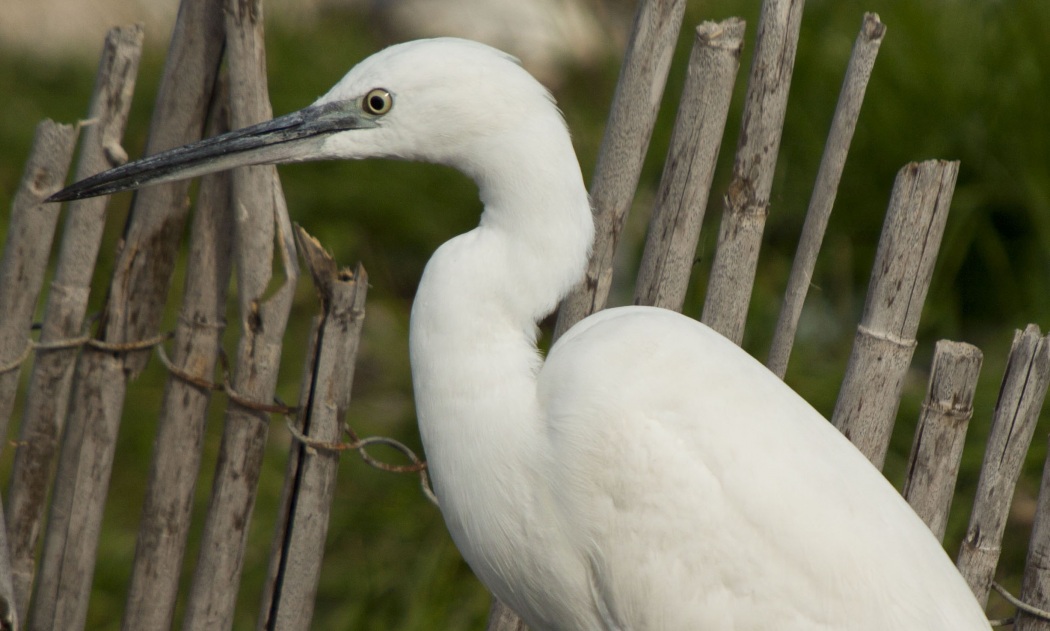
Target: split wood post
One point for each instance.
(298, 545)
(30, 231)
(1016, 412)
(632, 117)
(51, 378)
(1035, 585)
(261, 215)
(177, 449)
(131, 318)
(681, 200)
(936, 452)
(747, 200)
(833, 161)
(25, 254)
(900, 278)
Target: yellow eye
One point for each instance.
(378, 102)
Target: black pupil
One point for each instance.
(377, 102)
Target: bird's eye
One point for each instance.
(378, 101)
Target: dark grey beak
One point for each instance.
(294, 137)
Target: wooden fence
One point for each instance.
(79, 369)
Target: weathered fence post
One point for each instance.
(30, 232)
(681, 200)
(261, 215)
(25, 255)
(832, 163)
(26, 250)
(174, 468)
(1035, 584)
(298, 544)
(900, 277)
(747, 200)
(936, 452)
(1016, 412)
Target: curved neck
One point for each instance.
(529, 249)
(473, 334)
(535, 199)
(533, 239)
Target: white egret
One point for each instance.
(648, 474)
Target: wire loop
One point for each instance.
(361, 446)
(1030, 610)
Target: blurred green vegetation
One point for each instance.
(954, 80)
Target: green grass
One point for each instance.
(954, 80)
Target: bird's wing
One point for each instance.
(705, 493)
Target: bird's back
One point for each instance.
(703, 493)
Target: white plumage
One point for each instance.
(648, 474)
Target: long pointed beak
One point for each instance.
(294, 137)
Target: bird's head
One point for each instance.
(431, 100)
